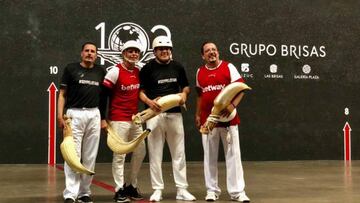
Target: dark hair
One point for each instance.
(203, 44)
(86, 43)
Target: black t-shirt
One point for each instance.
(162, 79)
(83, 85)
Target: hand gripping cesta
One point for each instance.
(67, 148)
(166, 102)
(222, 100)
(119, 146)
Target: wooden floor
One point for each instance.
(267, 182)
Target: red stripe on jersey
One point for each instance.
(107, 83)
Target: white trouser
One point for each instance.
(127, 131)
(169, 127)
(234, 171)
(85, 125)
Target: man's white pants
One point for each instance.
(169, 127)
(127, 131)
(86, 124)
(234, 170)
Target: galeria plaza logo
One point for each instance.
(306, 69)
(123, 33)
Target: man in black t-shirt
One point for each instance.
(81, 96)
(160, 77)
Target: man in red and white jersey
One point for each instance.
(123, 83)
(211, 78)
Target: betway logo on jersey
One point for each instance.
(213, 88)
(167, 80)
(130, 87)
(89, 82)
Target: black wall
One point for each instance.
(289, 115)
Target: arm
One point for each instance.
(142, 95)
(227, 111)
(151, 103)
(61, 105)
(184, 84)
(235, 77)
(197, 112)
(107, 86)
(185, 92)
(104, 95)
(235, 102)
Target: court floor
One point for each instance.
(266, 182)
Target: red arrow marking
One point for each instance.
(347, 142)
(52, 125)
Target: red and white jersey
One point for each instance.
(124, 99)
(211, 82)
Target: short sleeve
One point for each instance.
(111, 77)
(183, 81)
(234, 73)
(66, 77)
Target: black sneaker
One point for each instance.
(120, 196)
(133, 192)
(69, 200)
(85, 199)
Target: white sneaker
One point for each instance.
(183, 194)
(156, 196)
(211, 197)
(241, 198)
